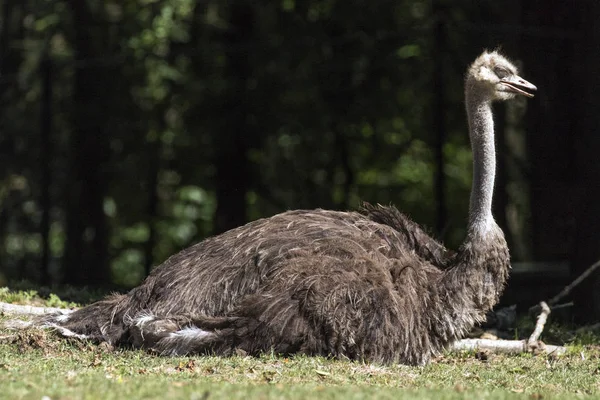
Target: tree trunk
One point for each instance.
(10, 61)
(46, 167)
(343, 146)
(154, 153)
(86, 253)
(232, 162)
(439, 120)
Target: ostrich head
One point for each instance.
(493, 77)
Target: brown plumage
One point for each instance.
(368, 285)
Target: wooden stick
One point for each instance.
(541, 321)
(531, 345)
(576, 282)
(568, 288)
(16, 309)
(505, 346)
(564, 305)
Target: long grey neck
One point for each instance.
(481, 131)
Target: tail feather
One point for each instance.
(183, 334)
(119, 321)
(66, 332)
(101, 321)
(185, 341)
(180, 335)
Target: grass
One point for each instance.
(36, 363)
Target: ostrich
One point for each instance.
(368, 285)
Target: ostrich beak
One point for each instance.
(519, 85)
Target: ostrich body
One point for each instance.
(368, 285)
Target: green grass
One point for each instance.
(36, 363)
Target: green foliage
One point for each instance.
(332, 102)
(20, 297)
(32, 297)
(55, 301)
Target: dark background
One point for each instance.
(133, 128)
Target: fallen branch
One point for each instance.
(541, 321)
(576, 282)
(567, 290)
(531, 345)
(16, 309)
(506, 346)
(559, 306)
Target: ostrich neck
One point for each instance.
(477, 274)
(481, 131)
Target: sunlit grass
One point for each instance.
(36, 363)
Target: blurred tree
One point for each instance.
(46, 145)
(86, 254)
(175, 119)
(238, 130)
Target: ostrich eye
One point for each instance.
(501, 72)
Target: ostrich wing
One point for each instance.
(414, 236)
